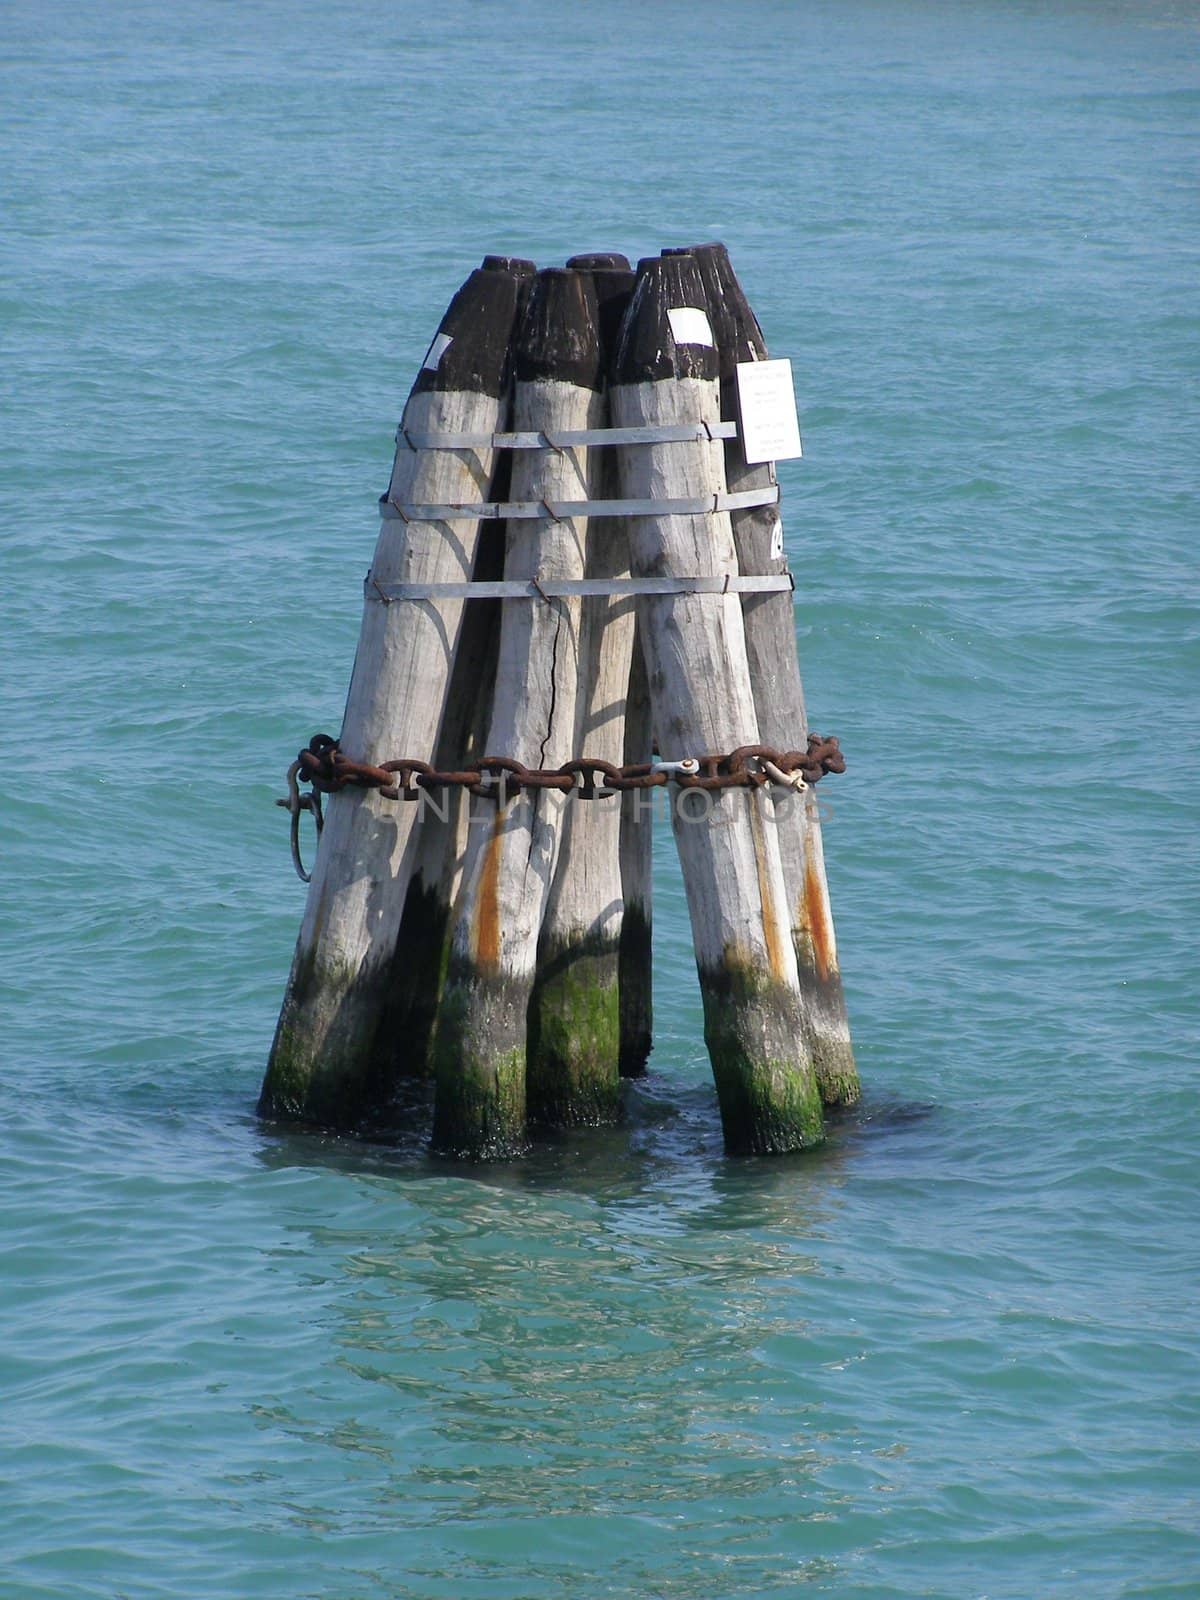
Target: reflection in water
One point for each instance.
(594, 1332)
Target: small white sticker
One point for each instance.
(767, 401)
(777, 540)
(689, 325)
(441, 343)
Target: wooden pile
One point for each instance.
(501, 941)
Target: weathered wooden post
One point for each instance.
(480, 1047)
(667, 373)
(572, 1071)
(422, 945)
(423, 942)
(327, 1061)
(635, 960)
(778, 694)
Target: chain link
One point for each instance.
(323, 765)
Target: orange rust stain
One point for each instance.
(487, 910)
(816, 919)
(771, 933)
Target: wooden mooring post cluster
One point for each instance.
(579, 611)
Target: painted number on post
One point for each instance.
(767, 401)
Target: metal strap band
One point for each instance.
(666, 433)
(560, 510)
(552, 588)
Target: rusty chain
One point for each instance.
(323, 766)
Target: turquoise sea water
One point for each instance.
(952, 1354)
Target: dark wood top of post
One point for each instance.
(647, 349)
(594, 260)
(736, 328)
(478, 323)
(517, 264)
(611, 288)
(558, 337)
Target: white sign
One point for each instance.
(690, 325)
(767, 401)
(437, 350)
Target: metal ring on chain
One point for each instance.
(294, 802)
